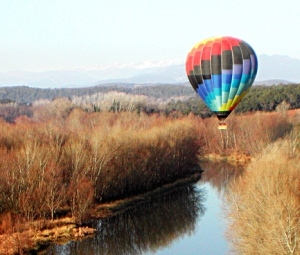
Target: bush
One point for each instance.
(264, 204)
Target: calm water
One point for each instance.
(186, 221)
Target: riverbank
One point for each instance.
(40, 234)
(233, 158)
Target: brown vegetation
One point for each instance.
(90, 156)
(62, 160)
(265, 202)
(60, 165)
(246, 134)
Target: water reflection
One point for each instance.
(145, 228)
(220, 174)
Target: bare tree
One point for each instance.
(54, 189)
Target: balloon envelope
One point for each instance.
(221, 70)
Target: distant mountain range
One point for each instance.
(273, 69)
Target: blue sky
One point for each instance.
(39, 35)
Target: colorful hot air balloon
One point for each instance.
(221, 70)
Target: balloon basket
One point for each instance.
(222, 125)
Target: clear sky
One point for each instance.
(38, 35)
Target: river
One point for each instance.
(186, 221)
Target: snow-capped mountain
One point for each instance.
(143, 72)
(276, 67)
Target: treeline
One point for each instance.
(267, 98)
(163, 99)
(164, 91)
(27, 95)
(262, 98)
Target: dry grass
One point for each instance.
(37, 234)
(265, 203)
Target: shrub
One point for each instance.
(265, 204)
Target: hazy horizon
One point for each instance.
(66, 35)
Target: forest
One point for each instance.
(163, 99)
(61, 157)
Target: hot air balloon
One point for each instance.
(221, 70)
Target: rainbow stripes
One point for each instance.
(221, 70)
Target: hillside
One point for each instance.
(27, 95)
